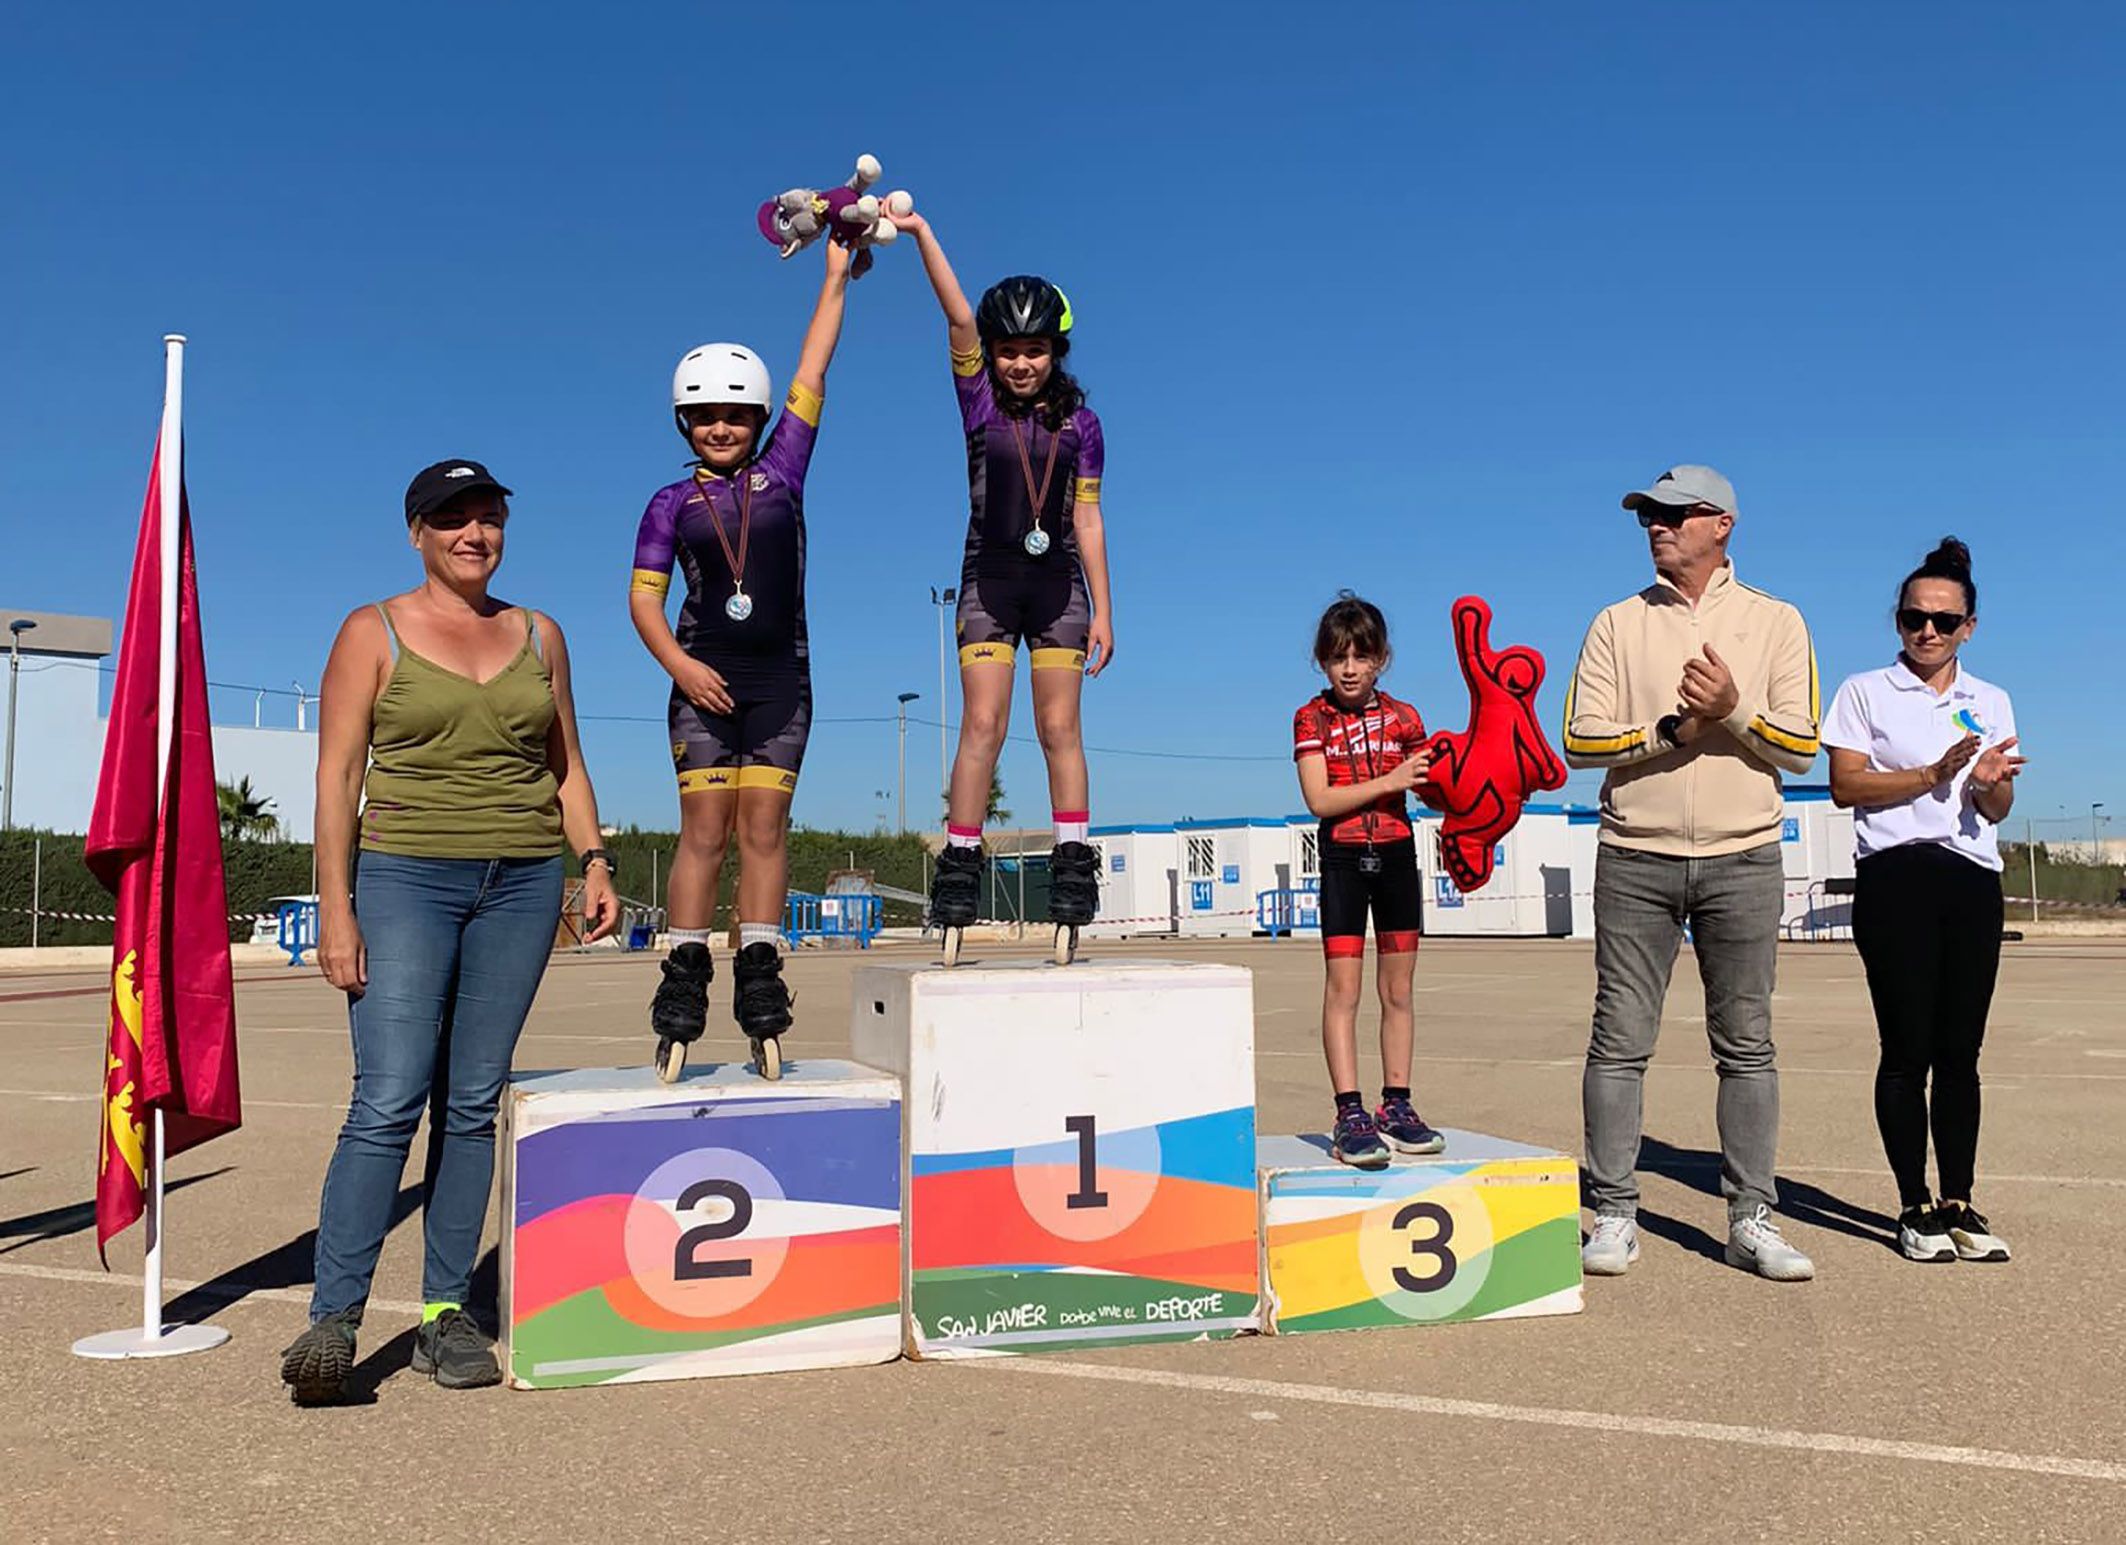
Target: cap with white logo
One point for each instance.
(1685, 486)
(435, 486)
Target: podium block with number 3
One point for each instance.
(1488, 1230)
(1080, 1150)
(722, 1224)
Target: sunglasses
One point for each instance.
(1911, 619)
(1671, 516)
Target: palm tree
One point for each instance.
(246, 814)
(996, 812)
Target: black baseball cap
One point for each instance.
(435, 486)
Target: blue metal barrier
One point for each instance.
(1279, 913)
(298, 929)
(854, 918)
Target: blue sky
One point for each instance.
(1401, 297)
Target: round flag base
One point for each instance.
(169, 1341)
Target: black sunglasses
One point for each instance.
(1911, 619)
(1671, 515)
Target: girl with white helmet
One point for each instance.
(741, 703)
(1035, 570)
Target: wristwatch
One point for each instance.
(1668, 726)
(599, 856)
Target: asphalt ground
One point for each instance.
(1690, 1401)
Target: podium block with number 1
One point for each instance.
(1080, 1150)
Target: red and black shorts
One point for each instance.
(1389, 887)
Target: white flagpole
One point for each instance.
(154, 1339)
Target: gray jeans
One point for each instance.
(1641, 903)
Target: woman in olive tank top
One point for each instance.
(446, 720)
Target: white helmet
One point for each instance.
(722, 372)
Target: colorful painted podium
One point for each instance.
(719, 1225)
(1487, 1230)
(1079, 1148)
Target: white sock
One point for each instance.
(750, 934)
(1072, 825)
(678, 936)
(963, 836)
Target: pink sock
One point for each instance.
(963, 836)
(1073, 825)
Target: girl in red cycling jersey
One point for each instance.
(1360, 752)
(1035, 569)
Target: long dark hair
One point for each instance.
(1950, 560)
(1059, 397)
(1351, 623)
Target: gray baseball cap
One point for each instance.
(1686, 485)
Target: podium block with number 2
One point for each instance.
(1488, 1230)
(722, 1224)
(1080, 1150)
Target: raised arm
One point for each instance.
(959, 315)
(354, 674)
(826, 329)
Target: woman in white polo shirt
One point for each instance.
(1921, 752)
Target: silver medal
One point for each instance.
(739, 607)
(1037, 542)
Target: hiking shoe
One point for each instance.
(1356, 1141)
(1754, 1244)
(1972, 1235)
(1611, 1247)
(1405, 1129)
(1923, 1235)
(452, 1348)
(317, 1364)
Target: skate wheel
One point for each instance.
(767, 1058)
(671, 1060)
(1066, 944)
(952, 946)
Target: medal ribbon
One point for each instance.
(736, 559)
(1048, 473)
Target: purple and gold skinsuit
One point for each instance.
(765, 659)
(1007, 594)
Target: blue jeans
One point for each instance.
(456, 949)
(1641, 903)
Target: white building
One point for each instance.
(58, 684)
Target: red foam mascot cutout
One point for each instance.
(1482, 777)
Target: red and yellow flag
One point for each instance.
(155, 843)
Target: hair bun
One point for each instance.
(1950, 553)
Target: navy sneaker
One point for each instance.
(452, 1349)
(1356, 1141)
(1405, 1129)
(317, 1365)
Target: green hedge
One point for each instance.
(257, 871)
(2060, 879)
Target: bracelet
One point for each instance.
(599, 856)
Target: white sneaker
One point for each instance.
(1753, 1243)
(1923, 1235)
(1972, 1235)
(1611, 1248)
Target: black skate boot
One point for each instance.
(956, 895)
(761, 1005)
(1073, 894)
(679, 1013)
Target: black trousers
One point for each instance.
(1928, 924)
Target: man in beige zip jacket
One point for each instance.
(1693, 694)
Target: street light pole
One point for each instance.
(15, 630)
(901, 821)
(2096, 850)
